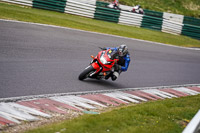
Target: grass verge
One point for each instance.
(165, 116)
(16, 12)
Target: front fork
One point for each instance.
(94, 63)
(96, 66)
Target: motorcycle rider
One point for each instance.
(122, 65)
(138, 9)
(115, 4)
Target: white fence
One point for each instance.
(173, 17)
(128, 18)
(91, 2)
(81, 9)
(20, 2)
(171, 27)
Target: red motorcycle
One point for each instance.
(101, 66)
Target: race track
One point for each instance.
(37, 59)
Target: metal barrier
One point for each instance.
(194, 125)
(152, 23)
(107, 14)
(81, 9)
(153, 13)
(191, 21)
(54, 5)
(191, 31)
(165, 22)
(128, 18)
(171, 27)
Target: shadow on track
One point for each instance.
(103, 83)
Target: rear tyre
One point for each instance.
(85, 73)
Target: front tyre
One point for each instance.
(86, 72)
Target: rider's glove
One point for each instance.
(104, 48)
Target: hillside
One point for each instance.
(184, 7)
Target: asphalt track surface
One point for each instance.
(38, 60)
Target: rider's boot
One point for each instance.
(114, 76)
(108, 76)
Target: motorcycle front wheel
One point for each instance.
(86, 72)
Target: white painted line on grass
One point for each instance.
(77, 101)
(7, 110)
(186, 90)
(9, 117)
(121, 96)
(132, 96)
(28, 110)
(159, 93)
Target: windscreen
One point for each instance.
(112, 54)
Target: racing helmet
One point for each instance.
(139, 6)
(122, 50)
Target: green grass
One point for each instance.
(166, 116)
(184, 7)
(15, 12)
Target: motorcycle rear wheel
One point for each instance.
(86, 72)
